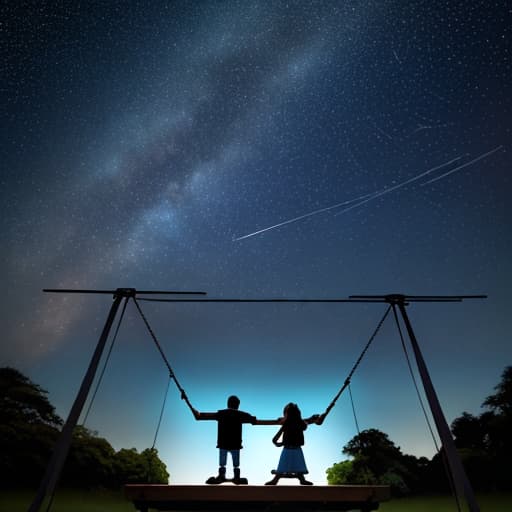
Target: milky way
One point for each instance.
(144, 144)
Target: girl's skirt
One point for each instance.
(292, 461)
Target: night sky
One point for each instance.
(257, 149)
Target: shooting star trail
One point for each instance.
(388, 190)
(364, 199)
(459, 167)
(358, 200)
(300, 217)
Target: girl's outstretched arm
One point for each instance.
(278, 421)
(316, 418)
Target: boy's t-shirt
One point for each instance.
(229, 428)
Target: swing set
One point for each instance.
(192, 497)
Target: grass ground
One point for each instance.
(111, 501)
(68, 501)
(495, 502)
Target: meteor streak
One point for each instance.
(295, 219)
(364, 199)
(387, 190)
(458, 168)
(358, 202)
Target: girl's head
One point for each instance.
(292, 412)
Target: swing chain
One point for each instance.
(330, 406)
(349, 377)
(166, 361)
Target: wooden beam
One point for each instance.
(251, 497)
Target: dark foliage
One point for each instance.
(29, 428)
(377, 461)
(21, 399)
(485, 441)
(484, 444)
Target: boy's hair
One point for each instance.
(233, 402)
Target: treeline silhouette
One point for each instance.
(484, 443)
(29, 427)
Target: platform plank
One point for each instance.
(256, 497)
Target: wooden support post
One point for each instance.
(460, 479)
(54, 467)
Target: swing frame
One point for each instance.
(462, 486)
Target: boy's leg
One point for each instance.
(223, 456)
(221, 477)
(235, 455)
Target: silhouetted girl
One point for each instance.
(291, 462)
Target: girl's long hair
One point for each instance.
(292, 414)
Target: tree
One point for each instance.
(375, 460)
(28, 429)
(484, 442)
(136, 468)
(469, 432)
(129, 467)
(90, 462)
(373, 449)
(23, 401)
(501, 401)
(340, 473)
(499, 428)
(157, 470)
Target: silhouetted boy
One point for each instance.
(229, 436)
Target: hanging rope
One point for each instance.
(347, 380)
(153, 451)
(184, 395)
(353, 410)
(161, 413)
(166, 361)
(105, 364)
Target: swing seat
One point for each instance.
(256, 498)
(285, 474)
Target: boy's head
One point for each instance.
(233, 402)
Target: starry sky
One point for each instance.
(256, 149)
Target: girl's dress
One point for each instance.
(291, 461)
(292, 458)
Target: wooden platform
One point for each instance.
(256, 497)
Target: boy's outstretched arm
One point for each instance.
(204, 415)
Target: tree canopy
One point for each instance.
(501, 401)
(376, 460)
(484, 443)
(29, 428)
(21, 399)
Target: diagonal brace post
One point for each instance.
(60, 452)
(460, 479)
